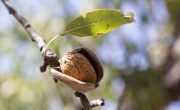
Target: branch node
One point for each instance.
(50, 59)
(43, 67)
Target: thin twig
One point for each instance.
(50, 58)
(86, 104)
(33, 35)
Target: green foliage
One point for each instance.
(98, 22)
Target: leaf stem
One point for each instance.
(44, 49)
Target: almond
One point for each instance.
(78, 66)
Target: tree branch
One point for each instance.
(50, 58)
(33, 35)
(86, 104)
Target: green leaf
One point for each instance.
(98, 22)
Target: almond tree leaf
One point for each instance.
(98, 22)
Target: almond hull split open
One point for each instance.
(76, 85)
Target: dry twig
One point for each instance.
(86, 104)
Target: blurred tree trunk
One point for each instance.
(171, 68)
(152, 91)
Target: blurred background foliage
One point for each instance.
(141, 60)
